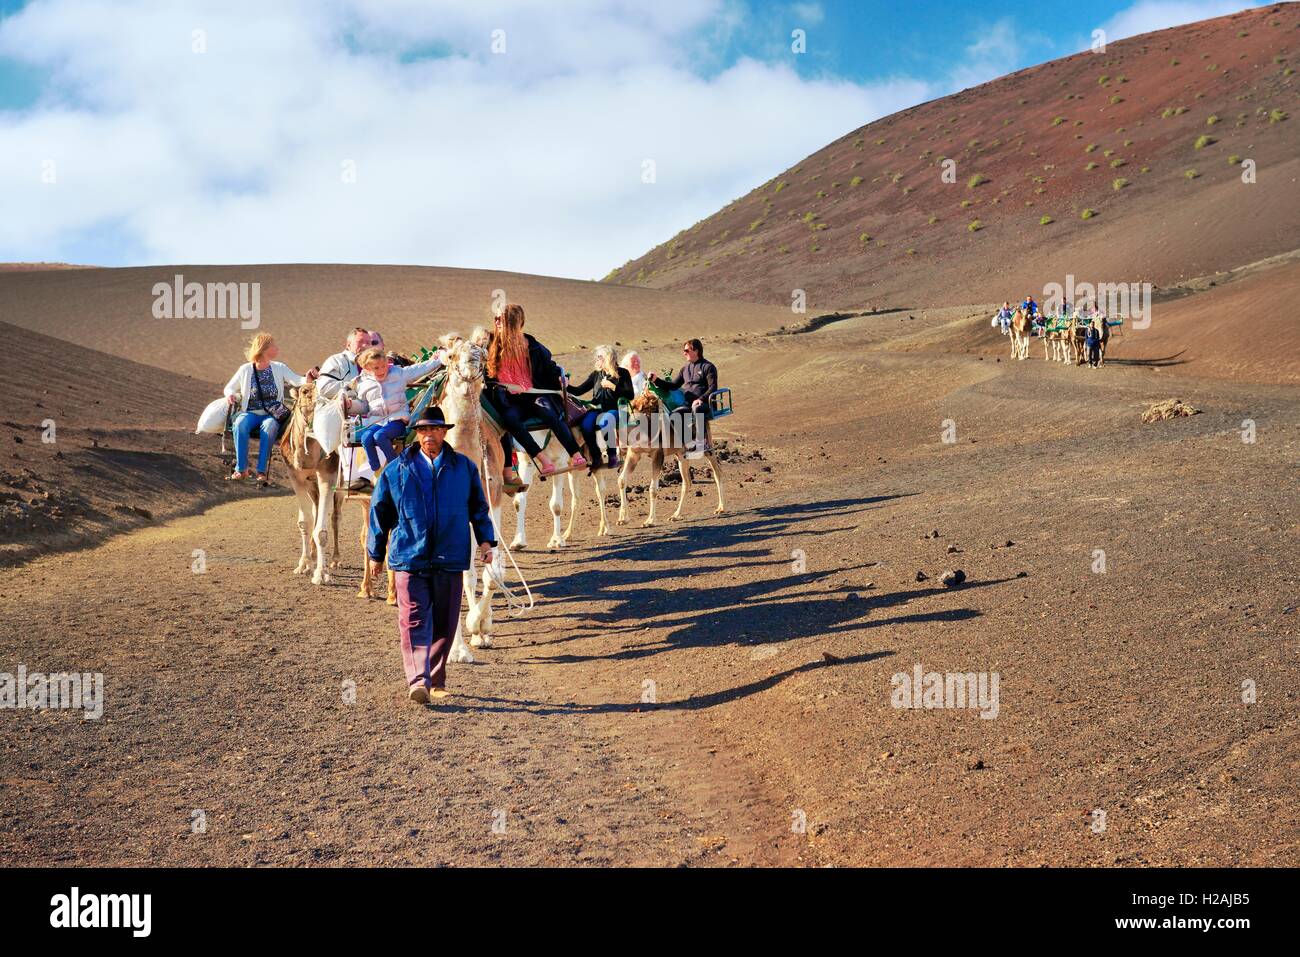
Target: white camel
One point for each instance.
(528, 474)
(460, 404)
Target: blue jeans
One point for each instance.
(381, 436)
(244, 426)
(606, 422)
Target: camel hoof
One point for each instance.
(555, 543)
(719, 510)
(364, 594)
(461, 656)
(391, 600)
(647, 524)
(476, 641)
(518, 546)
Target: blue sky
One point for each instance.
(134, 131)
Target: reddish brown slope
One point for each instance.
(1136, 111)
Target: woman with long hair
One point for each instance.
(610, 383)
(516, 364)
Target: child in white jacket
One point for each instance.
(382, 386)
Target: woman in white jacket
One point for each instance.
(258, 389)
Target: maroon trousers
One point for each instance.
(428, 610)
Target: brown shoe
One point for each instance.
(419, 694)
(439, 693)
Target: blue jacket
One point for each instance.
(423, 535)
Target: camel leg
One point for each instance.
(629, 466)
(336, 500)
(557, 513)
(305, 509)
(684, 467)
(573, 504)
(602, 529)
(364, 591)
(717, 480)
(656, 470)
(527, 475)
(478, 620)
(320, 527)
(459, 650)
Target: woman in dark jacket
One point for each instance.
(517, 363)
(611, 384)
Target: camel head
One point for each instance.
(468, 360)
(304, 399)
(293, 441)
(646, 402)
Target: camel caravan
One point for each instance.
(511, 415)
(1073, 336)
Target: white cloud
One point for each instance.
(1150, 15)
(528, 161)
(808, 13)
(995, 52)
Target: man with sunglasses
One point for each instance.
(698, 379)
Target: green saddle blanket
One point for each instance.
(421, 397)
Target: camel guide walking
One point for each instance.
(420, 515)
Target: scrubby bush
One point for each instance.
(1118, 184)
(1045, 220)
(1087, 214)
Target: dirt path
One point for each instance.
(225, 695)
